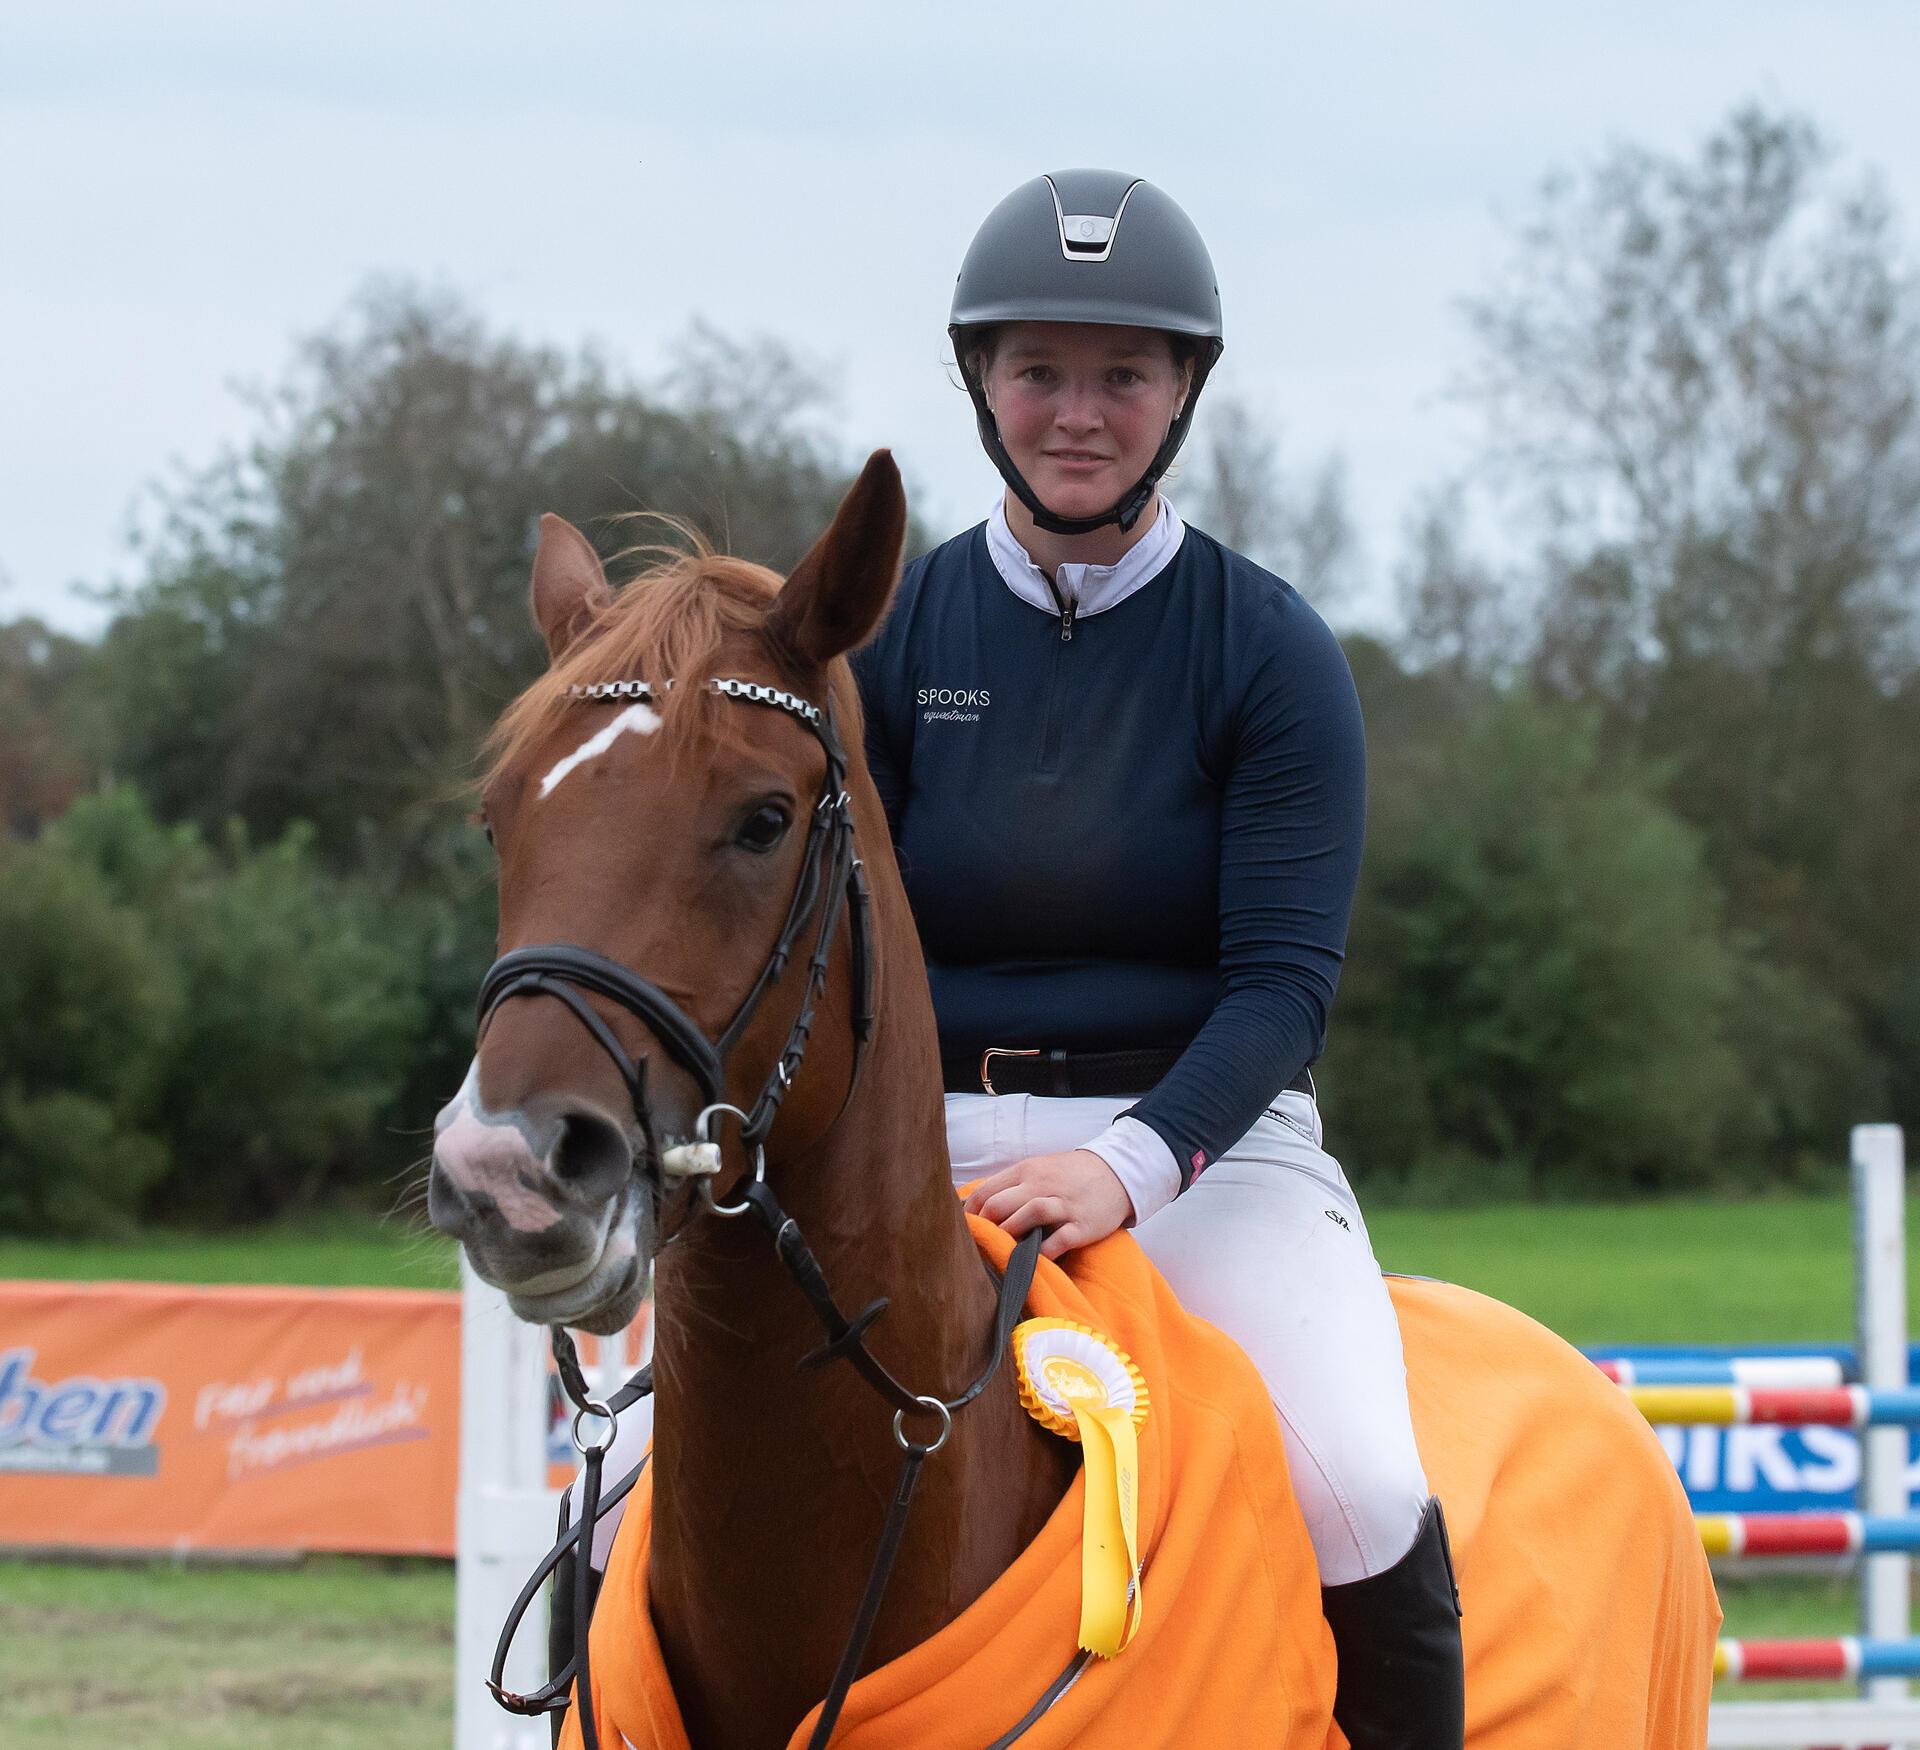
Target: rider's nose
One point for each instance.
(1078, 410)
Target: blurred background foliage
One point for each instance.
(1639, 909)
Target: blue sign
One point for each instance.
(1772, 1470)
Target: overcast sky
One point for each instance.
(186, 188)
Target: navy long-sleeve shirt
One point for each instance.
(1146, 834)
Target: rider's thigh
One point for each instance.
(1270, 1246)
(986, 1132)
(971, 1122)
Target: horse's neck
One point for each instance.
(772, 1484)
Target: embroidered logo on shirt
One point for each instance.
(953, 704)
(1199, 1163)
(1334, 1215)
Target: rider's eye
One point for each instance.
(764, 828)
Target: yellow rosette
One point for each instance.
(1077, 1384)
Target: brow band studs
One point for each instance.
(752, 691)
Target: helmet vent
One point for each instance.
(1086, 233)
(1088, 236)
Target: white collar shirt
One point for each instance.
(1092, 589)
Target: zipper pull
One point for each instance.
(1066, 622)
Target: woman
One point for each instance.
(1124, 771)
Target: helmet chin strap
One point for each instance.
(1127, 509)
(1124, 513)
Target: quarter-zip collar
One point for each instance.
(1089, 589)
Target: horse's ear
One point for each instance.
(569, 586)
(838, 593)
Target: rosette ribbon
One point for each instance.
(1077, 1384)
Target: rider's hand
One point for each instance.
(1076, 1194)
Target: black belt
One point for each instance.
(1066, 1074)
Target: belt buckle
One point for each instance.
(993, 1051)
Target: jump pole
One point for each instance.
(1880, 1313)
(505, 1517)
(1840, 1659)
(1884, 1715)
(1794, 1372)
(1806, 1534)
(1793, 1725)
(1841, 1406)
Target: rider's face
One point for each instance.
(1083, 408)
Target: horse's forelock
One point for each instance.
(668, 622)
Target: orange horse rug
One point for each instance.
(1590, 1617)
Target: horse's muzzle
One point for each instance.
(549, 1206)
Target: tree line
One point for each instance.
(1637, 912)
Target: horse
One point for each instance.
(711, 1003)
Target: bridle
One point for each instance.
(830, 869)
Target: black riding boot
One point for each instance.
(1398, 1635)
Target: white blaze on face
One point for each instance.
(642, 719)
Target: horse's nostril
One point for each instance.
(592, 1155)
(447, 1205)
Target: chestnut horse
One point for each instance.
(666, 836)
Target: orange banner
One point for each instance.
(150, 1416)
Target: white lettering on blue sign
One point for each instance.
(1769, 1469)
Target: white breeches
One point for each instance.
(1269, 1245)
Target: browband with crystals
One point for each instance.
(646, 691)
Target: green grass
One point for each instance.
(336, 1249)
(1759, 1272)
(335, 1654)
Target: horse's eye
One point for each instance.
(764, 828)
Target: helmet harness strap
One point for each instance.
(1127, 509)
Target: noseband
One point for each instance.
(828, 868)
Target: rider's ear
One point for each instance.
(837, 594)
(569, 587)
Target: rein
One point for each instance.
(829, 869)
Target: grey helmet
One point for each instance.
(1087, 246)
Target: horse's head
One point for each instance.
(656, 840)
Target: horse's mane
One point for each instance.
(667, 622)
